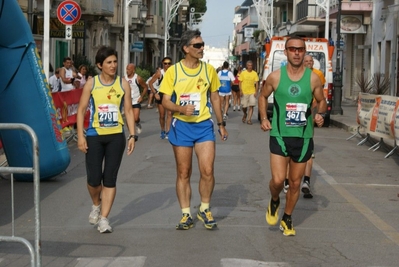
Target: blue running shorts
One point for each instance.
(188, 133)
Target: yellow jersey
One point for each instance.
(191, 86)
(248, 80)
(106, 103)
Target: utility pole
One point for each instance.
(336, 104)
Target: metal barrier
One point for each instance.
(34, 252)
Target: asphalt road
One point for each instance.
(351, 221)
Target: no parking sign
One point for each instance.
(68, 12)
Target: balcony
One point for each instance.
(280, 3)
(155, 25)
(309, 12)
(97, 7)
(353, 7)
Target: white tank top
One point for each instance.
(135, 90)
(67, 86)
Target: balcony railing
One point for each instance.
(307, 9)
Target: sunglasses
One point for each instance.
(198, 45)
(167, 63)
(294, 49)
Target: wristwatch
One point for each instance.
(133, 136)
(323, 115)
(223, 123)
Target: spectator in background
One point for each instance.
(248, 90)
(82, 77)
(55, 82)
(235, 89)
(67, 75)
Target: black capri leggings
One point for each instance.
(108, 148)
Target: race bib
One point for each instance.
(191, 99)
(108, 115)
(295, 114)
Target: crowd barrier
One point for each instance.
(66, 105)
(378, 117)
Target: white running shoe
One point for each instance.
(94, 214)
(286, 186)
(103, 226)
(138, 126)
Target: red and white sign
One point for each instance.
(69, 12)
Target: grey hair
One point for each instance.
(186, 38)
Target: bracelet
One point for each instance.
(133, 136)
(264, 119)
(322, 114)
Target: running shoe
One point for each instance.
(239, 108)
(94, 215)
(207, 218)
(286, 186)
(306, 189)
(185, 223)
(287, 227)
(103, 226)
(272, 213)
(225, 117)
(234, 108)
(163, 135)
(167, 135)
(138, 125)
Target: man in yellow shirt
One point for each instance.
(248, 91)
(190, 92)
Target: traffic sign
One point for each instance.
(68, 32)
(69, 12)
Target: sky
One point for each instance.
(217, 25)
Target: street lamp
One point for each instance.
(143, 17)
(336, 105)
(288, 26)
(171, 8)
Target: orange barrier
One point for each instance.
(66, 105)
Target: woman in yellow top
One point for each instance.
(189, 89)
(105, 140)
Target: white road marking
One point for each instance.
(385, 228)
(111, 262)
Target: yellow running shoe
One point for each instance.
(272, 213)
(287, 227)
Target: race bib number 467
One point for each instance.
(295, 114)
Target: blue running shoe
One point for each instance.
(207, 218)
(167, 135)
(185, 223)
(163, 134)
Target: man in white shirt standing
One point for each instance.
(68, 75)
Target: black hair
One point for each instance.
(186, 38)
(294, 38)
(166, 58)
(104, 52)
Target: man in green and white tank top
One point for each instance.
(291, 131)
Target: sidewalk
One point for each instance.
(347, 121)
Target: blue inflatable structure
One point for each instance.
(25, 97)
